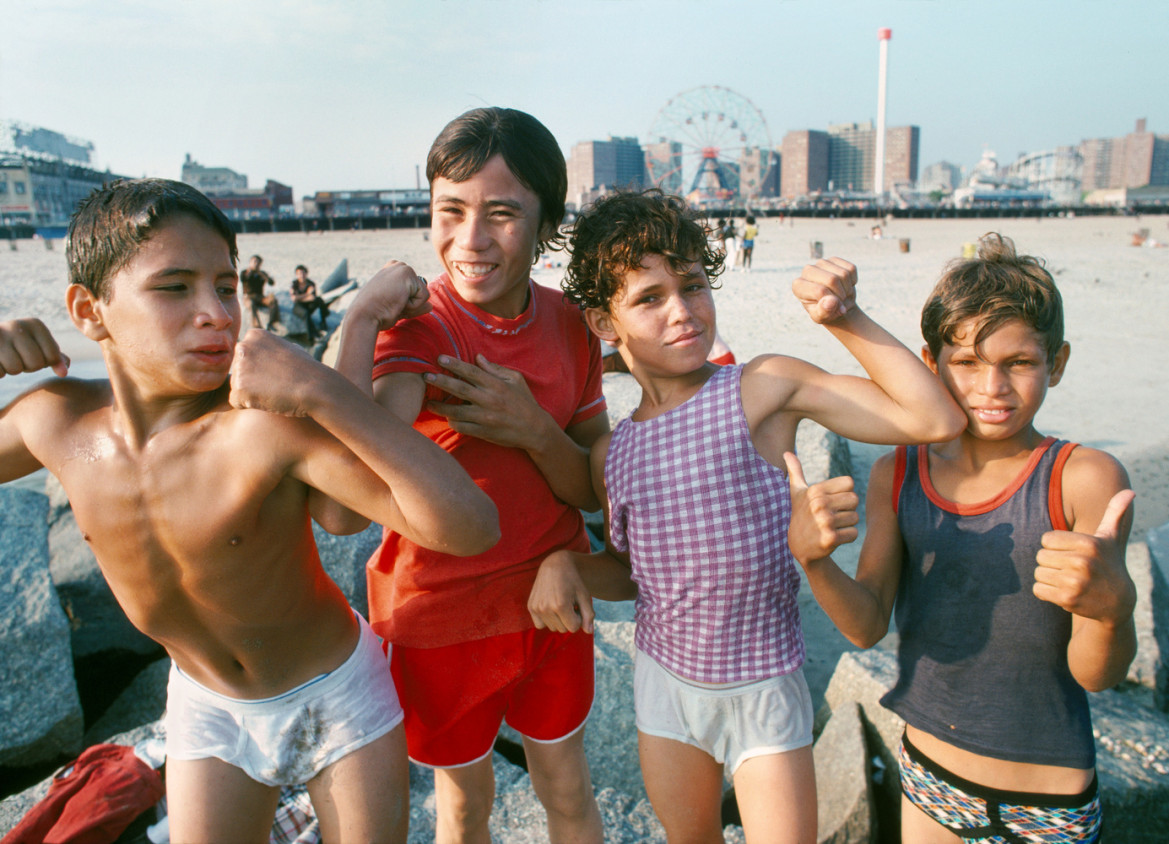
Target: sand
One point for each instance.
(1116, 300)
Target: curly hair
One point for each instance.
(617, 232)
(997, 286)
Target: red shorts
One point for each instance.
(456, 697)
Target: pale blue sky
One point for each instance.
(337, 95)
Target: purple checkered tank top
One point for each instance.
(704, 518)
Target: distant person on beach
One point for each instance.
(697, 506)
(1002, 554)
(253, 280)
(305, 298)
(730, 237)
(750, 232)
(505, 376)
(196, 495)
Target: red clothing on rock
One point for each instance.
(424, 599)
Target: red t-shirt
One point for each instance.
(425, 599)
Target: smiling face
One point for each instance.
(1002, 384)
(172, 320)
(485, 231)
(661, 322)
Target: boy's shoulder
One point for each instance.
(60, 399)
(1090, 478)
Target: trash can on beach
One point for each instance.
(904, 244)
(817, 249)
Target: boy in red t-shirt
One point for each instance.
(507, 378)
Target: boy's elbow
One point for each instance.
(480, 531)
(868, 637)
(946, 424)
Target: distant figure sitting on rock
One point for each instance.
(306, 300)
(254, 280)
(1002, 554)
(196, 495)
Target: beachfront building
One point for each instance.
(852, 150)
(842, 159)
(941, 176)
(758, 173)
(229, 192)
(599, 167)
(1136, 160)
(211, 180)
(803, 163)
(395, 202)
(43, 176)
(1057, 173)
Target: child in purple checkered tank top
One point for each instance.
(642, 271)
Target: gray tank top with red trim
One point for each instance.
(983, 662)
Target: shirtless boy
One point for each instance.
(195, 495)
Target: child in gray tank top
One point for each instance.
(1002, 552)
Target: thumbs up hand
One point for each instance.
(824, 515)
(1086, 574)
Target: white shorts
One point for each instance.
(732, 723)
(290, 738)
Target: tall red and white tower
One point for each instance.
(883, 34)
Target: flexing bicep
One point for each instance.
(345, 495)
(402, 393)
(879, 568)
(398, 393)
(16, 460)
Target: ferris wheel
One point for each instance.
(709, 144)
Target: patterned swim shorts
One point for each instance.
(980, 813)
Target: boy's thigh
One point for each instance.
(210, 801)
(685, 787)
(776, 794)
(456, 697)
(364, 796)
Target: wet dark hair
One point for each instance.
(617, 232)
(997, 286)
(530, 151)
(114, 221)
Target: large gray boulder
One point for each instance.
(861, 678)
(99, 624)
(844, 791)
(1132, 762)
(1148, 565)
(40, 711)
(142, 702)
